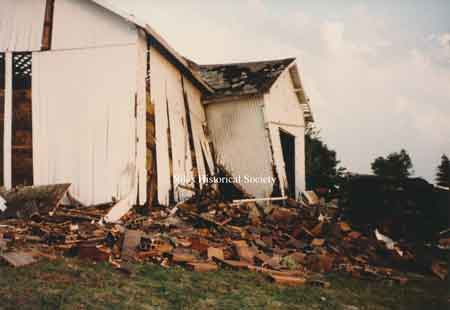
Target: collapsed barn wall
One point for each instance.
(169, 90)
(241, 143)
(282, 111)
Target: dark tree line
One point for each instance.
(395, 165)
(323, 169)
(443, 174)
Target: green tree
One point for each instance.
(322, 167)
(397, 165)
(443, 174)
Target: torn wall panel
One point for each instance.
(277, 157)
(167, 90)
(158, 94)
(141, 112)
(182, 161)
(21, 25)
(198, 119)
(87, 138)
(241, 145)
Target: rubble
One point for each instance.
(290, 243)
(18, 259)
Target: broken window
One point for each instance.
(22, 127)
(2, 111)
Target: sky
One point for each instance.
(377, 72)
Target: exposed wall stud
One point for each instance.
(48, 25)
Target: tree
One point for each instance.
(322, 167)
(443, 174)
(397, 165)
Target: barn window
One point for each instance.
(2, 112)
(22, 126)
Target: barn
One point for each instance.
(257, 117)
(92, 96)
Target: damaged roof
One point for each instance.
(241, 79)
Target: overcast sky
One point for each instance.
(377, 72)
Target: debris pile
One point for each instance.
(293, 242)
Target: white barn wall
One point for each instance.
(84, 24)
(241, 145)
(282, 110)
(21, 25)
(87, 137)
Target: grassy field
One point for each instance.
(72, 284)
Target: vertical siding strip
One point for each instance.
(2, 113)
(8, 120)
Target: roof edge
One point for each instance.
(177, 59)
(290, 59)
(233, 97)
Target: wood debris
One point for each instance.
(289, 243)
(18, 259)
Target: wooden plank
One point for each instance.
(190, 135)
(215, 252)
(48, 25)
(202, 267)
(131, 241)
(18, 259)
(288, 281)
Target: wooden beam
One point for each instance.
(48, 25)
(8, 120)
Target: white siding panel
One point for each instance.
(182, 162)
(278, 159)
(84, 123)
(21, 25)
(282, 110)
(158, 93)
(198, 119)
(281, 103)
(82, 24)
(240, 141)
(141, 114)
(167, 92)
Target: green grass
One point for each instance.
(72, 284)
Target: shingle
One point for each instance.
(242, 79)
